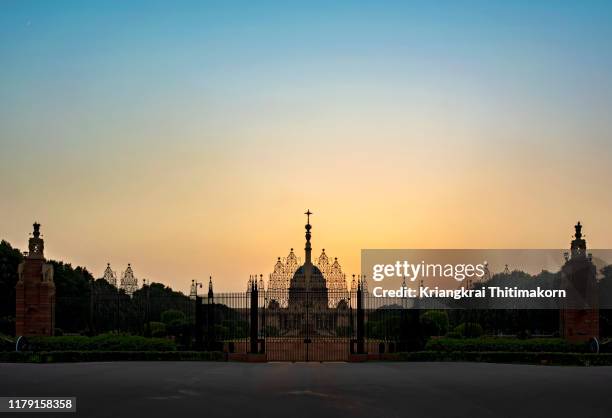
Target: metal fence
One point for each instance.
(321, 325)
(301, 326)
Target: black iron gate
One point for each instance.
(309, 326)
(313, 325)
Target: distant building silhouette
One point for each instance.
(290, 275)
(311, 296)
(110, 276)
(129, 282)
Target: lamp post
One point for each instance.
(198, 314)
(91, 306)
(147, 308)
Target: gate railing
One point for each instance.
(315, 324)
(308, 327)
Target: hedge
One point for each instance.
(468, 329)
(505, 344)
(83, 356)
(103, 342)
(554, 359)
(558, 359)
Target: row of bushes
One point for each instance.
(102, 342)
(557, 345)
(466, 330)
(558, 359)
(553, 359)
(81, 356)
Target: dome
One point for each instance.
(315, 271)
(343, 304)
(308, 288)
(316, 280)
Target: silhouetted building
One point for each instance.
(35, 291)
(580, 313)
(290, 276)
(312, 295)
(110, 276)
(129, 282)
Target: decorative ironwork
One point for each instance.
(283, 272)
(279, 281)
(305, 313)
(309, 330)
(110, 276)
(290, 275)
(129, 282)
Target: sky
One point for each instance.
(188, 138)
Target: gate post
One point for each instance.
(199, 322)
(210, 314)
(254, 316)
(360, 320)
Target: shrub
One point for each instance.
(434, 323)
(505, 344)
(172, 315)
(469, 329)
(158, 329)
(544, 358)
(102, 342)
(77, 356)
(176, 322)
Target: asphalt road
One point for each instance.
(208, 389)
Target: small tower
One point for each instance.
(110, 276)
(307, 286)
(211, 294)
(129, 282)
(35, 291)
(193, 291)
(580, 310)
(308, 247)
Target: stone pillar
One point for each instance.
(35, 292)
(579, 316)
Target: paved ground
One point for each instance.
(182, 389)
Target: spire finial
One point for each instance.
(578, 245)
(578, 228)
(36, 233)
(308, 247)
